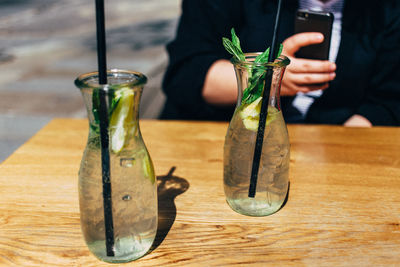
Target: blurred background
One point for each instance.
(46, 44)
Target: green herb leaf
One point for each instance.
(96, 111)
(96, 105)
(235, 40)
(280, 50)
(232, 49)
(113, 100)
(255, 88)
(262, 58)
(256, 77)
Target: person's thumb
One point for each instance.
(292, 44)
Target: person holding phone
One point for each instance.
(360, 83)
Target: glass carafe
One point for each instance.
(273, 173)
(133, 182)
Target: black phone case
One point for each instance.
(311, 21)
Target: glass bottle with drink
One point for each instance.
(273, 174)
(133, 183)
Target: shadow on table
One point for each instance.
(169, 187)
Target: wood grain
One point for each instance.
(343, 207)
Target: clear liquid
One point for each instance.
(273, 176)
(134, 202)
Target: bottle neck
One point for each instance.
(253, 80)
(122, 106)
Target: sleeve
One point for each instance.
(198, 44)
(382, 102)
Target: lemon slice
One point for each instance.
(121, 119)
(250, 114)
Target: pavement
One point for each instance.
(46, 44)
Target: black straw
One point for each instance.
(101, 42)
(103, 114)
(264, 109)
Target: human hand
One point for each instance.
(305, 75)
(357, 121)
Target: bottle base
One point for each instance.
(126, 250)
(253, 206)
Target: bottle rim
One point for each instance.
(280, 62)
(90, 80)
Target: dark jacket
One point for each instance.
(368, 63)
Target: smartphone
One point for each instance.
(314, 21)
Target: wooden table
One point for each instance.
(343, 206)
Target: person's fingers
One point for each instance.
(308, 65)
(292, 89)
(288, 91)
(312, 78)
(313, 87)
(306, 79)
(292, 44)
